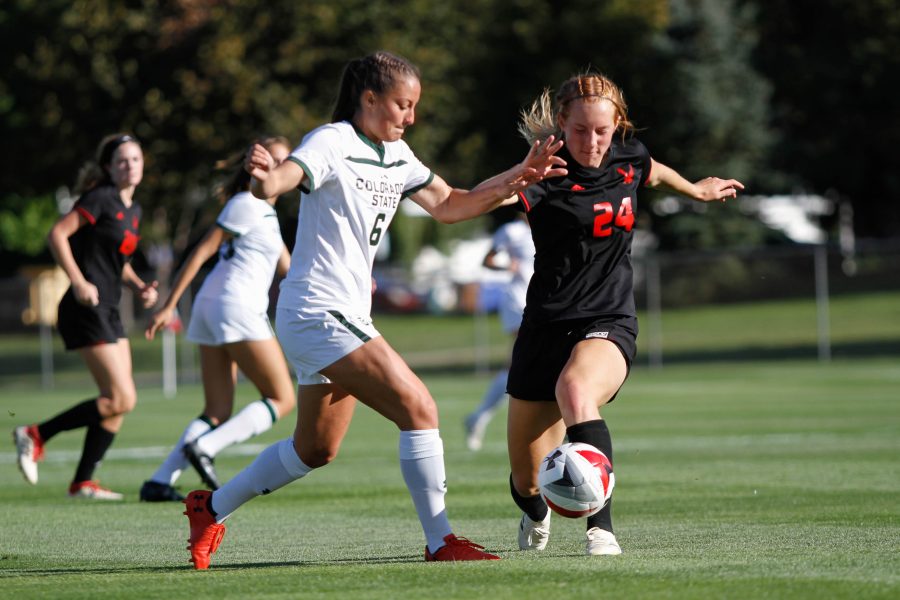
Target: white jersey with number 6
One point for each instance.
(351, 192)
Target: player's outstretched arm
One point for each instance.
(706, 190)
(451, 205)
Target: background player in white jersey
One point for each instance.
(354, 172)
(512, 249)
(229, 321)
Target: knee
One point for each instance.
(283, 405)
(578, 401)
(316, 457)
(524, 484)
(119, 402)
(570, 395)
(420, 412)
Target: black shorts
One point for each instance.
(541, 351)
(81, 326)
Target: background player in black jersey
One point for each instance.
(577, 339)
(93, 244)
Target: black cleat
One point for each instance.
(153, 491)
(204, 465)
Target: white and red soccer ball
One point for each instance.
(576, 480)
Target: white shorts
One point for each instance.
(214, 323)
(510, 310)
(312, 339)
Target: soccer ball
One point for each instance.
(576, 480)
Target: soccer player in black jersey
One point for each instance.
(93, 244)
(577, 338)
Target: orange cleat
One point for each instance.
(206, 534)
(459, 548)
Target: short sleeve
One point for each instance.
(316, 156)
(532, 196)
(240, 215)
(93, 204)
(646, 162)
(419, 175)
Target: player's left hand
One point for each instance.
(540, 163)
(713, 189)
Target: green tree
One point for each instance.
(834, 65)
(197, 79)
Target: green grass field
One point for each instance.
(744, 468)
(734, 480)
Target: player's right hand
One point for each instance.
(86, 293)
(258, 162)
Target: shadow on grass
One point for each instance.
(124, 570)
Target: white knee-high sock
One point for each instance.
(422, 465)
(171, 468)
(254, 419)
(275, 467)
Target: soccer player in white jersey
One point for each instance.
(354, 172)
(512, 250)
(229, 321)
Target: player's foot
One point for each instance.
(153, 491)
(534, 535)
(203, 463)
(458, 548)
(206, 534)
(91, 490)
(30, 450)
(601, 543)
(475, 428)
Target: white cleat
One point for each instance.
(601, 543)
(476, 425)
(91, 490)
(534, 535)
(28, 454)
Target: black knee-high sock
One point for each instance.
(83, 414)
(97, 441)
(533, 506)
(595, 433)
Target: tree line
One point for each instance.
(785, 95)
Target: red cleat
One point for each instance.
(459, 548)
(206, 534)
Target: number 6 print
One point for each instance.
(375, 235)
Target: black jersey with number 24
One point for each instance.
(582, 228)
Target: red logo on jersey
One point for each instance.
(129, 243)
(120, 215)
(134, 223)
(577, 188)
(627, 176)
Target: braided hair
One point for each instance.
(377, 72)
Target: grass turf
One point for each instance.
(733, 480)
